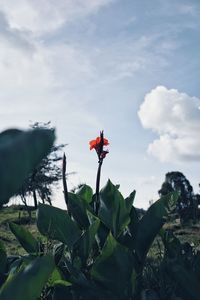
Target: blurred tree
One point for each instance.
(187, 204)
(46, 175)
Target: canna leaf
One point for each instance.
(113, 211)
(26, 239)
(129, 200)
(78, 209)
(113, 269)
(28, 283)
(85, 192)
(151, 223)
(56, 224)
(85, 243)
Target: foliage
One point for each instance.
(187, 204)
(96, 251)
(182, 265)
(94, 258)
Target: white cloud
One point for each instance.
(46, 15)
(175, 117)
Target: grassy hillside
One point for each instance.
(189, 233)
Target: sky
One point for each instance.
(128, 67)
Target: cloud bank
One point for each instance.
(44, 16)
(175, 117)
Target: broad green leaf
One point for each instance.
(129, 200)
(56, 224)
(26, 239)
(113, 269)
(102, 235)
(77, 208)
(151, 223)
(85, 192)
(85, 243)
(20, 153)
(113, 211)
(28, 283)
(3, 258)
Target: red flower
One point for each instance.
(95, 144)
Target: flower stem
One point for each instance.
(97, 204)
(65, 189)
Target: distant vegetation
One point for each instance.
(187, 207)
(44, 176)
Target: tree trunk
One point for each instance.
(27, 208)
(35, 199)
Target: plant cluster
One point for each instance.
(97, 248)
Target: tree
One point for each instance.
(187, 204)
(46, 175)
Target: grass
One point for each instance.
(17, 215)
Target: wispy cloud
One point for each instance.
(187, 9)
(40, 16)
(13, 37)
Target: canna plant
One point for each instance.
(96, 248)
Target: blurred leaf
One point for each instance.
(3, 258)
(113, 211)
(77, 208)
(113, 269)
(28, 283)
(56, 224)
(85, 192)
(151, 223)
(20, 153)
(26, 239)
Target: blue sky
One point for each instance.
(129, 67)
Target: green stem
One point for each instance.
(97, 186)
